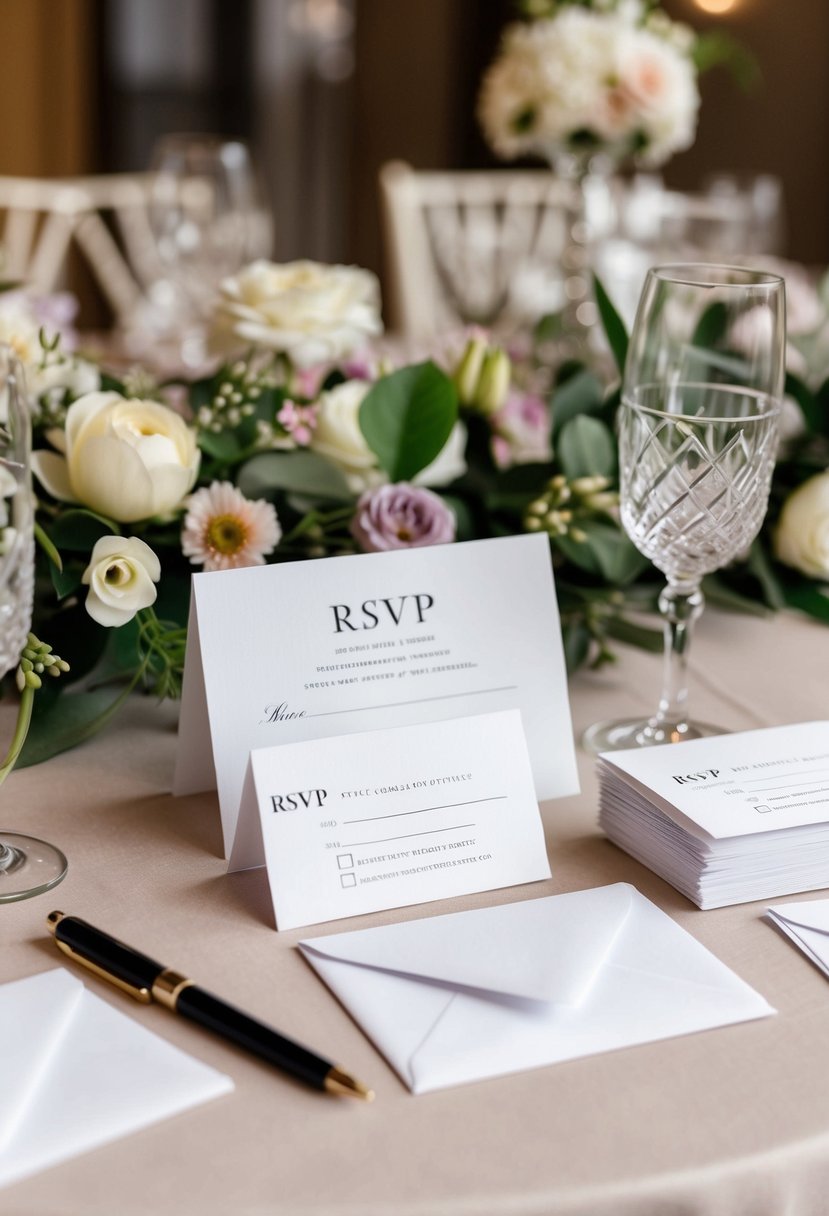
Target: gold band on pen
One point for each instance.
(168, 986)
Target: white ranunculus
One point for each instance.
(127, 459)
(802, 536)
(310, 312)
(121, 577)
(339, 439)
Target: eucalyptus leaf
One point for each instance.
(808, 599)
(760, 566)
(712, 326)
(622, 629)
(304, 473)
(722, 595)
(407, 417)
(585, 447)
(619, 560)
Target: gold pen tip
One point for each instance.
(53, 920)
(338, 1081)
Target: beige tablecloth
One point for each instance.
(733, 1121)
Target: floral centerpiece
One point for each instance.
(306, 441)
(616, 77)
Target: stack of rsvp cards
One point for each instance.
(725, 820)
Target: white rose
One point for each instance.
(802, 536)
(339, 439)
(127, 459)
(310, 312)
(121, 577)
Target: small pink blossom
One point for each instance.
(223, 530)
(401, 517)
(300, 421)
(521, 431)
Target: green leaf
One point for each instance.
(711, 327)
(78, 528)
(723, 595)
(805, 398)
(464, 519)
(45, 542)
(614, 326)
(407, 417)
(68, 721)
(760, 566)
(808, 599)
(586, 447)
(303, 473)
(224, 445)
(67, 579)
(579, 553)
(619, 560)
(624, 630)
(576, 638)
(581, 394)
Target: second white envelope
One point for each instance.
(497, 990)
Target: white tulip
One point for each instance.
(121, 577)
(802, 536)
(127, 459)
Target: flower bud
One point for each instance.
(468, 372)
(494, 381)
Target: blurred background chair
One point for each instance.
(103, 219)
(460, 243)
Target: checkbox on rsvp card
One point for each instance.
(348, 880)
(345, 861)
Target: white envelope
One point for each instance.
(77, 1073)
(807, 925)
(478, 994)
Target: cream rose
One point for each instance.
(121, 577)
(310, 312)
(127, 459)
(339, 439)
(802, 536)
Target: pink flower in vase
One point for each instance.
(300, 421)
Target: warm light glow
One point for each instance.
(716, 6)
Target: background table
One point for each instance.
(731, 1121)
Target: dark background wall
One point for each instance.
(327, 90)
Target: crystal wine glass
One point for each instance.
(28, 866)
(207, 220)
(698, 425)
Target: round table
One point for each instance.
(730, 1121)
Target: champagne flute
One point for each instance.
(28, 866)
(698, 426)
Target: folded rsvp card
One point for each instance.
(310, 650)
(382, 819)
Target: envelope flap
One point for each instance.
(813, 914)
(34, 1016)
(549, 949)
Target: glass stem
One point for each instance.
(680, 605)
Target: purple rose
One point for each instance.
(401, 517)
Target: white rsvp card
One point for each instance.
(743, 784)
(382, 819)
(306, 650)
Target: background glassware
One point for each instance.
(208, 220)
(28, 866)
(698, 425)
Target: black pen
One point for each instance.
(146, 981)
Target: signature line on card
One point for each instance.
(457, 828)
(447, 806)
(361, 709)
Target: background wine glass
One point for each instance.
(698, 425)
(28, 866)
(208, 221)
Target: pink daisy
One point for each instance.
(223, 530)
